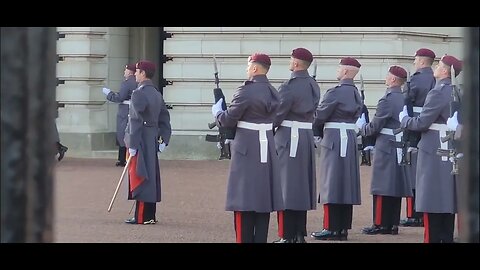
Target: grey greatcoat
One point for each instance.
(148, 119)
(435, 190)
(421, 82)
(388, 178)
(339, 176)
(126, 89)
(252, 185)
(299, 98)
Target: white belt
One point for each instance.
(417, 109)
(126, 102)
(398, 138)
(294, 126)
(262, 136)
(343, 134)
(442, 132)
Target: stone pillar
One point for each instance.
(28, 149)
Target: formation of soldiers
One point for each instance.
(273, 152)
(277, 132)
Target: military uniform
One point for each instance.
(148, 120)
(436, 188)
(123, 100)
(339, 187)
(61, 149)
(253, 190)
(421, 82)
(389, 183)
(299, 97)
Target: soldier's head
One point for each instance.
(443, 68)
(144, 70)
(301, 59)
(348, 68)
(396, 76)
(423, 58)
(129, 70)
(258, 64)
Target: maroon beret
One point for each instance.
(350, 61)
(425, 52)
(302, 54)
(260, 58)
(146, 65)
(452, 61)
(130, 67)
(398, 71)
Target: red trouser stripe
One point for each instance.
(280, 220)
(426, 224)
(238, 226)
(326, 217)
(378, 210)
(141, 210)
(409, 207)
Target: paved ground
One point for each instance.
(192, 207)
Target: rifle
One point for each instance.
(366, 140)
(223, 133)
(317, 130)
(453, 154)
(410, 138)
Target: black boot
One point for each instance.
(283, 241)
(300, 238)
(343, 235)
(122, 151)
(326, 235)
(61, 150)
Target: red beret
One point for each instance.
(350, 61)
(398, 71)
(302, 54)
(260, 58)
(130, 67)
(452, 61)
(425, 52)
(146, 65)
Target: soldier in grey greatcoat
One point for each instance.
(253, 190)
(421, 82)
(299, 97)
(148, 131)
(389, 182)
(123, 100)
(339, 187)
(61, 149)
(436, 192)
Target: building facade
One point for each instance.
(94, 57)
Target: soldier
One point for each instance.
(253, 190)
(61, 149)
(339, 169)
(123, 100)
(148, 120)
(436, 195)
(299, 98)
(389, 183)
(421, 82)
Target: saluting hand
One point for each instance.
(106, 91)
(403, 113)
